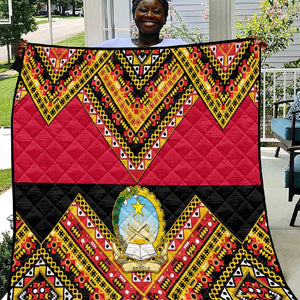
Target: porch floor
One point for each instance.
(286, 239)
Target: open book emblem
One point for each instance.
(139, 225)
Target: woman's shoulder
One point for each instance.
(172, 42)
(127, 42)
(116, 43)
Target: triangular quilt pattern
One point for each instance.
(116, 94)
(195, 249)
(137, 175)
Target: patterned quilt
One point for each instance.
(137, 175)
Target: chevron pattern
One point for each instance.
(137, 175)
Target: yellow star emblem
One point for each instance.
(138, 207)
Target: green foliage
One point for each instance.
(74, 41)
(126, 194)
(8, 85)
(117, 210)
(64, 4)
(76, 3)
(292, 87)
(6, 247)
(4, 10)
(7, 88)
(5, 66)
(5, 180)
(23, 22)
(179, 30)
(275, 25)
(129, 192)
(292, 64)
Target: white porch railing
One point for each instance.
(276, 84)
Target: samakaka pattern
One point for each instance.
(137, 175)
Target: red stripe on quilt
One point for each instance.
(72, 150)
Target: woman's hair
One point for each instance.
(164, 3)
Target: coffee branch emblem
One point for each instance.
(139, 225)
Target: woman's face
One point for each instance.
(149, 16)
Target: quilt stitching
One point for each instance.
(136, 175)
(134, 122)
(197, 244)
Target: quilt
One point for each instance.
(136, 175)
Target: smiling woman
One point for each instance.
(150, 16)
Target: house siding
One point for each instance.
(191, 12)
(248, 8)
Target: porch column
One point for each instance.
(94, 21)
(221, 20)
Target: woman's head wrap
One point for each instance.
(164, 3)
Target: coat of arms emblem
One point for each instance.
(139, 225)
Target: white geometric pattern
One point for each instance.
(294, 106)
